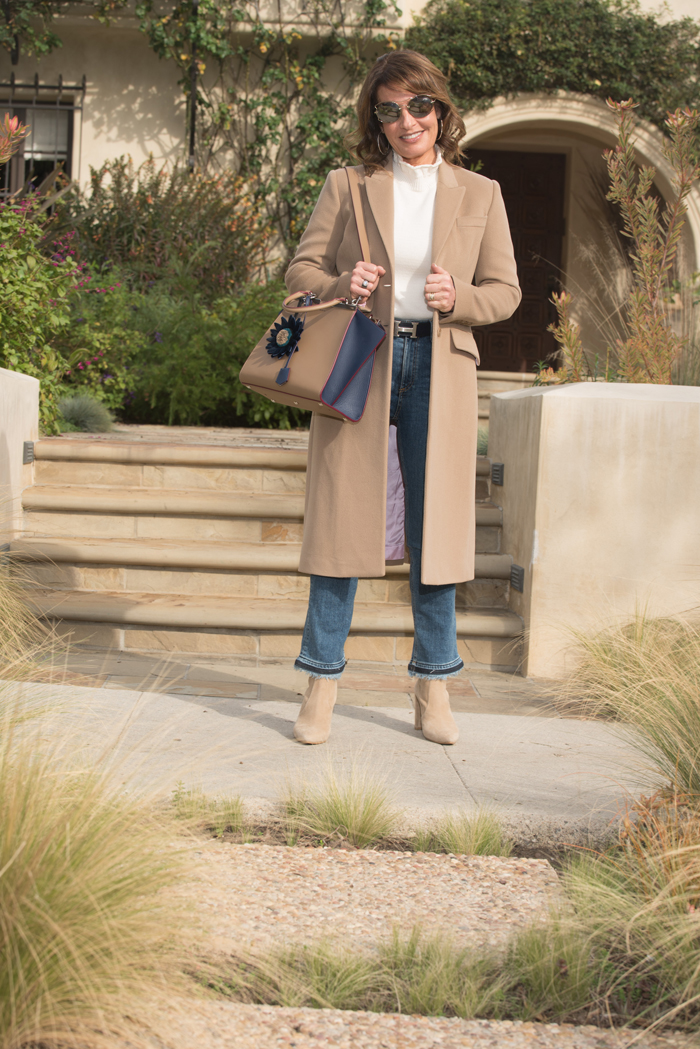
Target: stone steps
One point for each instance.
(185, 516)
(260, 628)
(71, 498)
(262, 557)
(224, 569)
(65, 450)
(248, 613)
(192, 547)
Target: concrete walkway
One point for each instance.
(227, 728)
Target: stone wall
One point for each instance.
(19, 422)
(601, 507)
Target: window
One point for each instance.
(48, 110)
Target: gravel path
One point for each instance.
(258, 895)
(225, 1025)
(261, 895)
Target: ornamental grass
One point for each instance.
(82, 865)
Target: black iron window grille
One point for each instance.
(49, 111)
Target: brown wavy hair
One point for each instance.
(413, 72)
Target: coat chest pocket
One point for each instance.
(468, 231)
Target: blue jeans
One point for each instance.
(332, 599)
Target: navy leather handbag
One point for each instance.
(319, 355)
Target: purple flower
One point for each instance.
(157, 336)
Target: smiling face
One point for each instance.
(413, 138)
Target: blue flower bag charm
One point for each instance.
(283, 341)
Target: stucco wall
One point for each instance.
(601, 507)
(19, 422)
(132, 105)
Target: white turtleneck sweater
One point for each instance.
(414, 206)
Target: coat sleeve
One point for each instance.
(314, 268)
(495, 293)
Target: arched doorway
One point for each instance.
(533, 187)
(551, 145)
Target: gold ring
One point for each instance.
(431, 296)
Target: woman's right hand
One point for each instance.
(365, 271)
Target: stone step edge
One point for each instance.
(250, 557)
(166, 610)
(195, 502)
(56, 449)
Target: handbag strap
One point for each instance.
(364, 246)
(359, 214)
(288, 303)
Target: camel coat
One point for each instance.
(346, 486)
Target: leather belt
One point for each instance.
(416, 329)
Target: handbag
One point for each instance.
(319, 355)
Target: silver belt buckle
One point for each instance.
(411, 330)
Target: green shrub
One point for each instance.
(101, 343)
(187, 371)
(149, 221)
(56, 324)
(605, 48)
(85, 413)
(34, 310)
(157, 318)
(156, 356)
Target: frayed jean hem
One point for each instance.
(439, 673)
(332, 673)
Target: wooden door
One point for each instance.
(533, 191)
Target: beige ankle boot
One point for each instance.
(432, 709)
(314, 722)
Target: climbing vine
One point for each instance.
(27, 23)
(274, 98)
(606, 48)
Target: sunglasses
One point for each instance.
(418, 106)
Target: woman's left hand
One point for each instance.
(439, 290)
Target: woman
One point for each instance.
(442, 261)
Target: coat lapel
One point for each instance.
(448, 200)
(379, 187)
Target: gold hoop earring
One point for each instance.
(439, 129)
(384, 152)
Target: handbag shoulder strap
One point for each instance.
(359, 214)
(364, 245)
